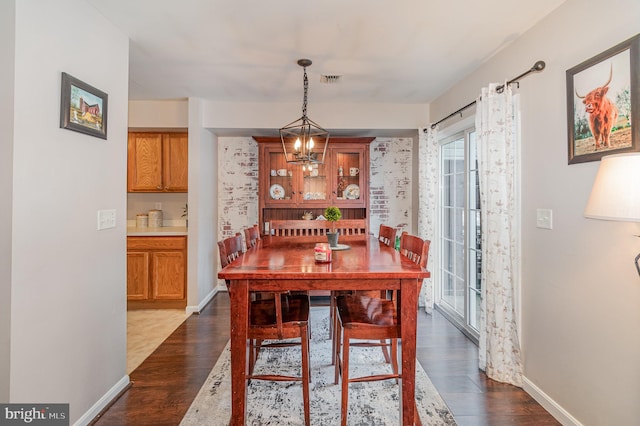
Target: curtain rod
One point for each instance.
(537, 67)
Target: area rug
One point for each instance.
(280, 403)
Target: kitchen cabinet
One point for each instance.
(157, 162)
(156, 272)
(286, 191)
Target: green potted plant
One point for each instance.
(332, 214)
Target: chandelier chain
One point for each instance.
(305, 81)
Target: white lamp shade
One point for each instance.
(616, 191)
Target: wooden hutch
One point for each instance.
(286, 192)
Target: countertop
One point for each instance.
(164, 231)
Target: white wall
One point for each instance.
(580, 290)
(68, 301)
(7, 63)
(158, 114)
(203, 210)
(374, 119)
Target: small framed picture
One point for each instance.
(602, 97)
(83, 108)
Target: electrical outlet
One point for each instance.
(106, 219)
(158, 206)
(544, 218)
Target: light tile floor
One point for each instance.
(147, 329)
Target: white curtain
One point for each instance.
(428, 197)
(497, 132)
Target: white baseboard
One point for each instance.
(193, 309)
(559, 413)
(103, 402)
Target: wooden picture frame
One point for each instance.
(602, 97)
(83, 108)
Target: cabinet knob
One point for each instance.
(159, 187)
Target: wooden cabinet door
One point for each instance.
(138, 275)
(156, 272)
(144, 171)
(279, 177)
(350, 183)
(176, 162)
(168, 275)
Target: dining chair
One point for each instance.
(387, 235)
(364, 317)
(273, 322)
(316, 230)
(230, 249)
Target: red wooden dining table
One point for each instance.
(278, 263)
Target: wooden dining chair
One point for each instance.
(316, 230)
(273, 322)
(230, 249)
(387, 236)
(363, 317)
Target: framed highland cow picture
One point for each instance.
(602, 97)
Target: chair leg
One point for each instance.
(394, 357)
(345, 380)
(418, 422)
(334, 337)
(254, 350)
(385, 352)
(332, 307)
(333, 318)
(252, 355)
(337, 336)
(306, 375)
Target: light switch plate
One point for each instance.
(544, 218)
(106, 219)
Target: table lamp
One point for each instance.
(616, 191)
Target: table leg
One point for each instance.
(408, 315)
(239, 293)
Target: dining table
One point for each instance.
(361, 263)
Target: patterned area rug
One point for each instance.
(280, 403)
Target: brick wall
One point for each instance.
(237, 185)
(390, 186)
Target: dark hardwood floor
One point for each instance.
(166, 383)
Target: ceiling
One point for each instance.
(402, 51)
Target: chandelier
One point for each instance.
(303, 141)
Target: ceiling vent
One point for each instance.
(330, 79)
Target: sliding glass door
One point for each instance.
(460, 269)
